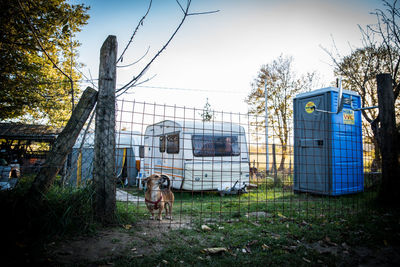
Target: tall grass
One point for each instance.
(62, 211)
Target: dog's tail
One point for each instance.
(166, 177)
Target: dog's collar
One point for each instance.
(155, 203)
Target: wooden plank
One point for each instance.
(63, 144)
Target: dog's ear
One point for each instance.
(165, 178)
(145, 180)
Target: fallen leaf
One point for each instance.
(281, 216)
(264, 247)
(165, 262)
(306, 260)
(133, 249)
(214, 250)
(127, 226)
(205, 228)
(275, 236)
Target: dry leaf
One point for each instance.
(306, 260)
(165, 262)
(264, 247)
(282, 216)
(214, 250)
(127, 226)
(205, 228)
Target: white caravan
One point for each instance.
(198, 156)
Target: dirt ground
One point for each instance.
(134, 240)
(145, 237)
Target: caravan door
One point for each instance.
(171, 158)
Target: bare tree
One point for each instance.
(282, 84)
(138, 78)
(380, 53)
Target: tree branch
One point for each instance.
(134, 33)
(134, 80)
(41, 46)
(137, 61)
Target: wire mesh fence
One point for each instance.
(222, 167)
(225, 169)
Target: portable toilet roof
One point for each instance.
(324, 90)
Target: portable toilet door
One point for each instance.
(328, 145)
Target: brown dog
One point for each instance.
(157, 198)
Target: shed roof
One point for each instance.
(20, 131)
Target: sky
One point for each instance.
(217, 56)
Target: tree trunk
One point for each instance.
(104, 176)
(376, 162)
(63, 145)
(388, 194)
(283, 158)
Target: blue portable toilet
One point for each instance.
(328, 150)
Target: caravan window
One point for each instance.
(215, 146)
(162, 144)
(173, 144)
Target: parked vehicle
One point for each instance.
(198, 156)
(79, 164)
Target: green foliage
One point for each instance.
(62, 212)
(32, 88)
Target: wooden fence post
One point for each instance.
(388, 194)
(63, 145)
(104, 176)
